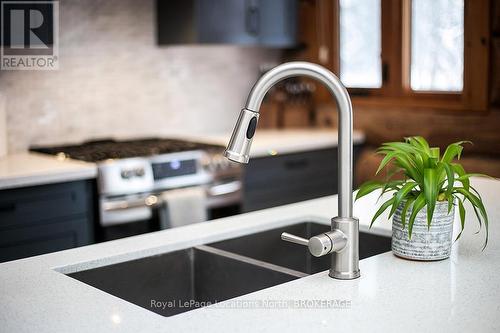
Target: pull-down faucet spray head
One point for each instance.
(238, 149)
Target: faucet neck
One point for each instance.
(344, 107)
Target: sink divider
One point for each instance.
(251, 261)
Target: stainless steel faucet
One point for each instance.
(342, 240)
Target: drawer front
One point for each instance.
(285, 170)
(39, 204)
(276, 196)
(279, 180)
(16, 243)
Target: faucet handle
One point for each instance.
(294, 239)
(320, 245)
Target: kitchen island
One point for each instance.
(458, 294)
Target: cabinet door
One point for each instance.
(34, 240)
(40, 204)
(283, 179)
(277, 180)
(242, 22)
(278, 30)
(40, 219)
(228, 21)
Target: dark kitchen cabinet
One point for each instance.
(243, 22)
(40, 219)
(283, 179)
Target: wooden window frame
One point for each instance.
(396, 57)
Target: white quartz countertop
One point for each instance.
(28, 169)
(272, 142)
(460, 294)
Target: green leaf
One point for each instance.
(420, 161)
(418, 141)
(409, 168)
(385, 161)
(468, 175)
(417, 207)
(450, 203)
(450, 178)
(382, 208)
(400, 146)
(477, 203)
(368, 187)
(401, 195)
(423, 152)
(435, 152)
(405, 209)
(454, 149)
(390, 186)
(461, 211)
(431, 191)
(391, 172)
(415, 151)
(432, 162)
(474, 200)
(459, 170)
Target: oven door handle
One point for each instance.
(149, 201)
(226, 188)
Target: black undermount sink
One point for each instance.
(176, 282)
(186, 279)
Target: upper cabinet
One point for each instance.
(242, 22)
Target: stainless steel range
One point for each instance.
(134, 174)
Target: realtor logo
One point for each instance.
(30, 35)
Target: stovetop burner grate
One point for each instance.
(94, 151)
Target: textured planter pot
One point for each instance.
(425, 244)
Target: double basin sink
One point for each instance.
(176, 282)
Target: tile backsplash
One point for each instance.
(115, 81)
(3, 127)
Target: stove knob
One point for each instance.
(206, 164)
(139, 172)
(126, 174)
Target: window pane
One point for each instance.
(360, 43)
(437, 45)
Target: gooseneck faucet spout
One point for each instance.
(342, 241)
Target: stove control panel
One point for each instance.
(124, 176)
(134, 172)
(179, 170)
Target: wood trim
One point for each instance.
(476, 54)
(323, 30)
(315, 31)
(444, 102)
(405, 45)
(391, 46)
(335, 33)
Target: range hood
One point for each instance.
(271, 23)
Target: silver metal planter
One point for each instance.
(425, 244)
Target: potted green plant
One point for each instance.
(432, 181)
